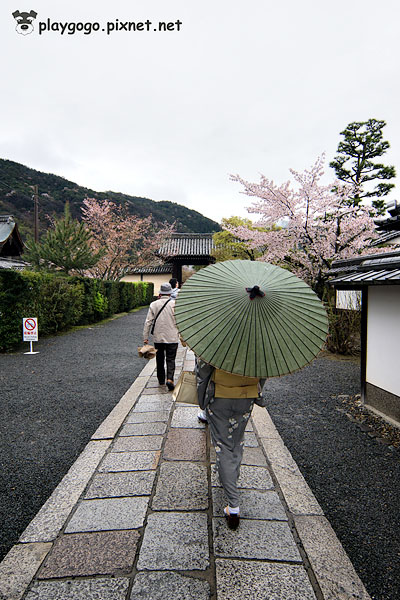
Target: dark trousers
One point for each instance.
(167, 353)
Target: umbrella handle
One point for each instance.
(255, 291)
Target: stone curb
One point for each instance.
(20, 565)
(332, 567)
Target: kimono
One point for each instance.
(228, 401)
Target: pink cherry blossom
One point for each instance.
(318, 225)
(126, 239)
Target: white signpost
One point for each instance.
(30, 331)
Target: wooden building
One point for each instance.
(187, 249)
(181, 249)
(153, 274)
(378, 278)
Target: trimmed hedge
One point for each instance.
(59, 303)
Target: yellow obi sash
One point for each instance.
(228, 385)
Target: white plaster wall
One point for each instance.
(156, 279)
(131, 278)
(383, 340)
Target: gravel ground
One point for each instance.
(350, 461)
(52, 403)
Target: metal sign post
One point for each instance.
(30, 332)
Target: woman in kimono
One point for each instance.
(226, 402)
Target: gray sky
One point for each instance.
(246, 88)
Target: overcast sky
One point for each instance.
(248, 88)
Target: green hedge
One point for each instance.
(59, 303)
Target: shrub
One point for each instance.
(15, 293)
(100, 305)
(61, 302)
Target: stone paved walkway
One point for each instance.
(139, 516)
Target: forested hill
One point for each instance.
(16, 192)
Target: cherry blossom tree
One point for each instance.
(230, 247)
(318, 225)
(126, 240)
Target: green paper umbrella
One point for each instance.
(275, 333)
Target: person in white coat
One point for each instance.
(160, 322)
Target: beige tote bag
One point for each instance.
(186, 388)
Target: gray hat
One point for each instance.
(165, 289)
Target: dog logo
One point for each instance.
(24, 21)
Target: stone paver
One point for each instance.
(18, 568)
(108, 514)
(167, 585)
(263, 540)
(249, 580)
(130, 461)
(181, 486)
(153, 383)
(256, 478)
(143, 429)
(175, 541)
(152, 404)
(254, 456)
(161, 391)
(185, 444)
(148, 417)
(93, 589)
(250, 440)
(254, 504)
(251, 456)
(133, 483)
(101, 553)
(137, 443)
(186, 416)
(336, 575)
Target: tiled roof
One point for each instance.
(13, 263)
(382, 276)
(385, 237)
(11, 243)
(153, 270)
(375, 269)
(187, 245)
(7, 225)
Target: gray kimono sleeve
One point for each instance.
(261, 400)
(205, 387)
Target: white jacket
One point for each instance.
(165, 331)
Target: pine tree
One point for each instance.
(355, 164)
(66, 247)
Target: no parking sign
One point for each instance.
(30, 331)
